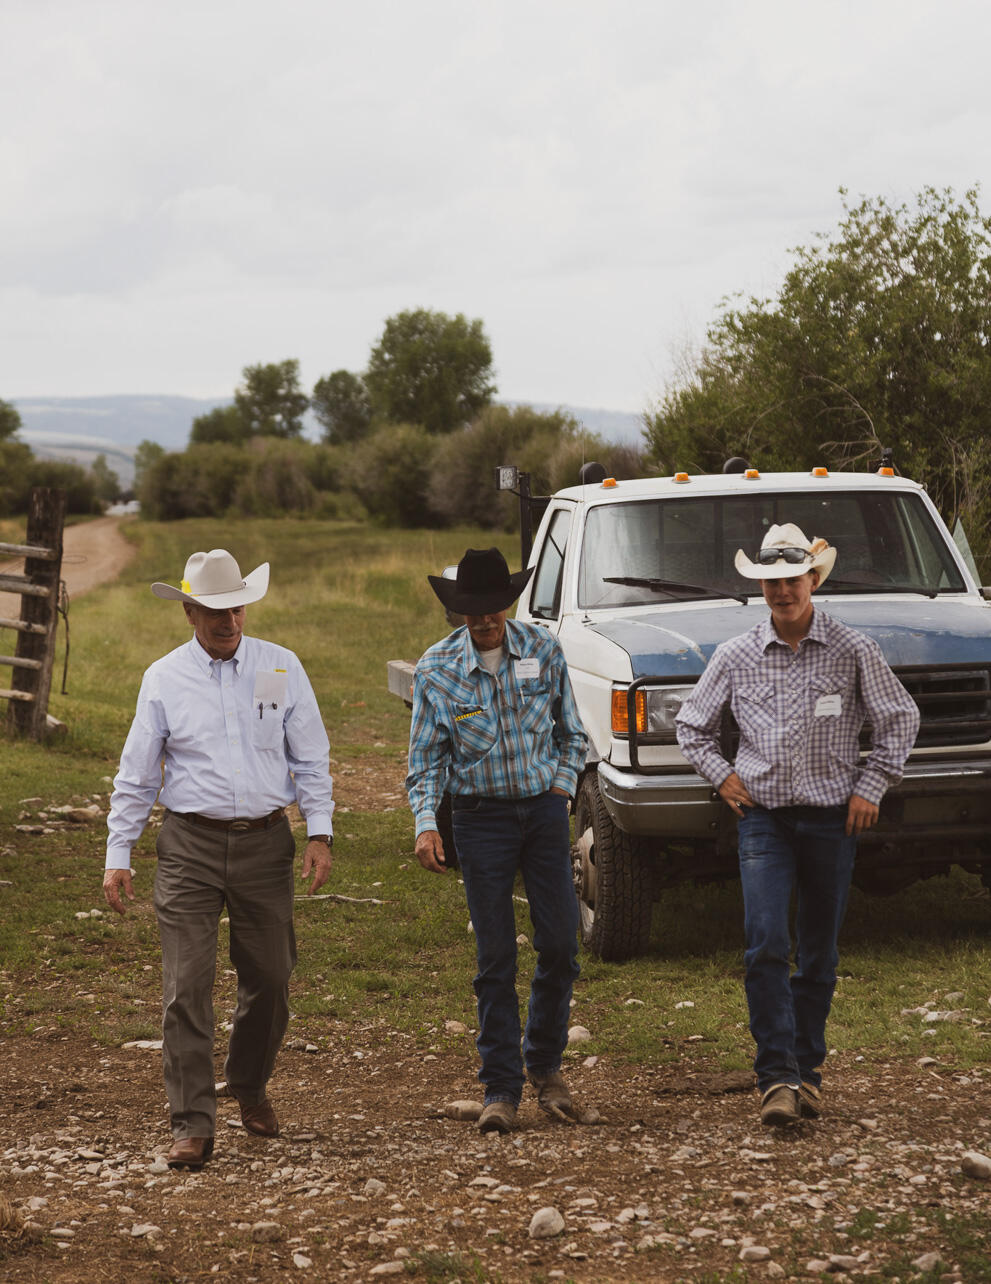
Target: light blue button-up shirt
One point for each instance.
(233, 739)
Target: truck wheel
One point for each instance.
(613, 880)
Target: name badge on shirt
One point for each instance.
(829, 706)
(526, 668)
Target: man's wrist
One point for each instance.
(326, 839)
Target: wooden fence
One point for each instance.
(38, 586)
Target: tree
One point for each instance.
(222, 423)
(270, 401)
(106, 483)
(877, 338)
(10, 420)
(146, 456)
(342, 405)
(430, 369)
(389, 472)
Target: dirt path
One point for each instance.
(92, 553)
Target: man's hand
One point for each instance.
(860, 814)
(430, 851)
(733, 792)
(113, 881)
(317, 859)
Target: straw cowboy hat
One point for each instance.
(483, 585)
(785, 553)
(214, 579)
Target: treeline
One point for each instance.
(412, 440)
(88, 490)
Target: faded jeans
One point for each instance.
(804, 849)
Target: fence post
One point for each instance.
(46, 518)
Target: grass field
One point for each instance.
(348, 598)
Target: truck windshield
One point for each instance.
(885, 543)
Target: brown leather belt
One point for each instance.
(211, 822)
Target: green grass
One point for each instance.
(347, 598)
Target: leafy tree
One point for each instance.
(16, 461)
(146, 456)
(270, 401)
(105, 481)
(550, 446)
(430, 369)
(10, 420)
(342, 405)
(878, 337)
(222, 423)
(389, 472)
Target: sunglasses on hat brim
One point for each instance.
(794, 556)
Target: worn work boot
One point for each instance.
(553, 1096)
(498, 1116)
(809, 1100)
(779, 1105)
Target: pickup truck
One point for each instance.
(637, 580)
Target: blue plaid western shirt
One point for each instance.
(800, 714)
(512, 734)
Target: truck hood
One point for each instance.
(679, 640)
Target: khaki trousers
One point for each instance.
(200, 872)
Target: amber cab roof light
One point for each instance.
(885, 472)
(681, 477)
(752, 474)
(608, 483)
(819, 471)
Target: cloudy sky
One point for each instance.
(190, 187)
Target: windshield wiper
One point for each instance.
(863, 586)
(673, 587)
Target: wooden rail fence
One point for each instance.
(38, 586)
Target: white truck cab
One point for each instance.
(637, 580)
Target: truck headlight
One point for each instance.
(655, 709)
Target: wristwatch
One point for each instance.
(320, 838)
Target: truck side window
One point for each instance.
(545, 601)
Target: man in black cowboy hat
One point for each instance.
(495, 723)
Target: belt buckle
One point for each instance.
(240, 824)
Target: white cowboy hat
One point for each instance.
(788, 554)
(214, 579)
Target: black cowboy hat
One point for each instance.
(483, 586)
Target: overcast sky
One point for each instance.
(187, 188)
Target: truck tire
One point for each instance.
(613, 880)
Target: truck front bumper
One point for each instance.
(937, 802)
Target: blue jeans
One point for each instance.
(807, 850)
(495, 837)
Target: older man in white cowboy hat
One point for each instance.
(495, 722)
(801, 686)
(236, 725)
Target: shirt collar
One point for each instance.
(512, 643)
(206, 663)
(818, 629)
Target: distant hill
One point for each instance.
(80, 428)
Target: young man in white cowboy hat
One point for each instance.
(800, 685)
(495, 722)
(237, 725)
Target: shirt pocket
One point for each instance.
(755, 706)
(268, 710)
(474, 729)
(832, 694)
(533, 704)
